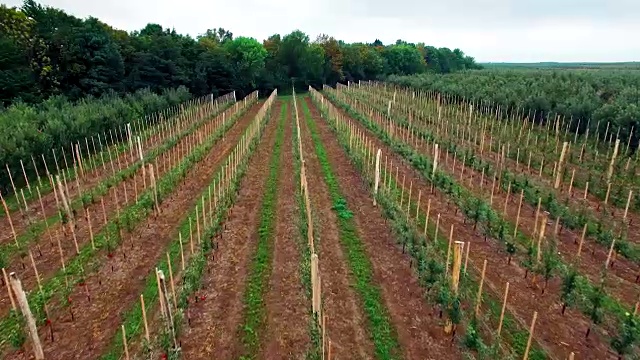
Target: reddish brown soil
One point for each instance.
(213, 329)
(118, 283)
(287, 331)
(419, 329)
(346, 323)
(47, 256)
(558, 334)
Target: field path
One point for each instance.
(287, 332)
(119, 282)
(419, 330)
(214, 321)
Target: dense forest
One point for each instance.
(45, 52)
(586, 97)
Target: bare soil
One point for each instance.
(212, 329)
(287, 331)
(346, 323)
(420, 331)
(46, 253)
(118, 283)
(558, 334)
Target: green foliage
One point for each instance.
(628, 335)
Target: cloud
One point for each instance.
(490, 30)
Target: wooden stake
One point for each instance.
(479, 296)
(6, 210)
(144, 319)
(533, 324)
(124, 342)
(455, 276)
(173, 288)
(504, 306)
(584, 232)
(16, 285)
(6, 282)
(446, 265)
(466, 257)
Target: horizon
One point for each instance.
(592, 31)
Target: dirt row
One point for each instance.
(46, 252)
(418, 327)
(118, 282)
(559, 334)
(214, 320)
(286, 335)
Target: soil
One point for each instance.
(286, 336)
(46, 253)
(419, 329)
(346, 323)
(117, 284)
(215, 319)
(558, 334)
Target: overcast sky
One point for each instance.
(489, 30)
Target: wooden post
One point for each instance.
(455, 276)
(626, 208)
(124, 343)
(479, 296)
(559, 166)
(584, 232)
(504, 306)
(446, 265)
(533, 324)
(144, 319)
(377, 177)
(16, 285)
(466, 257)
(426, 220)
(613, 160)
(586, 191)
(6, 282)
(6, 210)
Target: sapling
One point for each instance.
(568, 288)
(511, 250)
(596, 299)
(628, 335)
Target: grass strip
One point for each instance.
(260, 268)
(381, 330)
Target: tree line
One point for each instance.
(45, 52)
(588, 98)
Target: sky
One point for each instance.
(489, 30)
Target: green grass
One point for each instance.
(260, 267)
(380, 328)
